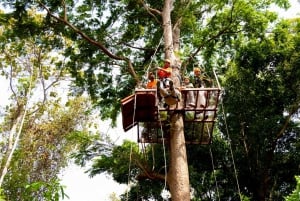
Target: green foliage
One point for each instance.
(126, 162)
(261, 83)
(47, 136)
(115, 161)
(2, 196)
(43, 152)
(54, 191)
(126, 29)
(295, 195)
(260, 101)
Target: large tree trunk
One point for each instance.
(178, 175)
(167, 27)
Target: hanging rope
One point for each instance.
(216, 77)
(215, 177)
(165, 161)
(152, 58)
(153, 157)
(130, 155)
(212, 162)
(164, 149)
(231, 153)
(160, 123)
(229, 139)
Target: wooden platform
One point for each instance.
(152, 120)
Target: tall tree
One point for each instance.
(262, 106)
(41, 125)
(124, 35)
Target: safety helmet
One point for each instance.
(196, 69)
(168, 60)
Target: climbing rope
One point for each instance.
(164, 150)
(160, 123)
(231, 152)
(152, 58)
(131, 151)
(130, 155)
(212, 163)
(229, 139)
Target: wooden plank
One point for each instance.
(127, 109)
(138, 107)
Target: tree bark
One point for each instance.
(13, 141)
(167, 27)
(178, 175)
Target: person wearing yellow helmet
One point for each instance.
(190, 99)
(199, 79)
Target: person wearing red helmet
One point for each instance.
(165, 85)
(166, 71)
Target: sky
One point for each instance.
(80, 187)
(292, 12)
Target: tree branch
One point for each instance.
(93, 42)
(147, 173)
(21, 117)
(151, 175)
(151, 11)
(294, 108)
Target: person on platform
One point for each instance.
(190, 98)
(198, 82)
(151, 84)
(199, 79)
(164, 73)
(165, 86)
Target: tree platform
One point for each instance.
(152, 119)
